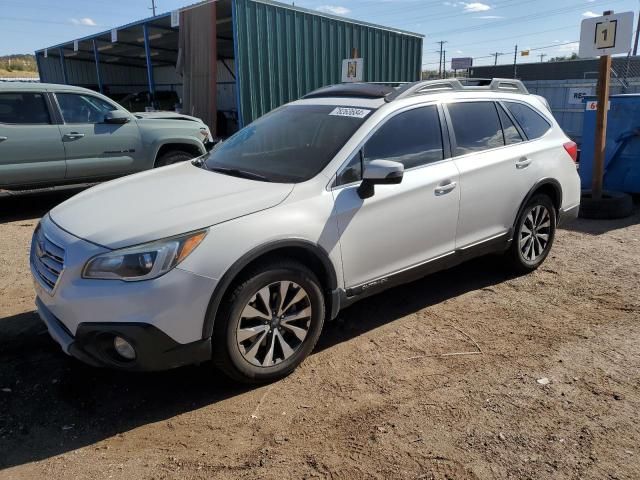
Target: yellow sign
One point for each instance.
(524, 53)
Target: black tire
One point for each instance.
(522, 256)
(173, 156)
(230, 357)
(611, 205)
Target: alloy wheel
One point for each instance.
(535, 233)
(274, 323)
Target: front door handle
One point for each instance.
(2, 139)
(523, 162)
(72, 136)
(443, 189)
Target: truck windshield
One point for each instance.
(289, 145)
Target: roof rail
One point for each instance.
(425, 87)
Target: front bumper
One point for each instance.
(161, 318)
(93, 344)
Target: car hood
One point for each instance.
(163, 202)
(166, 116)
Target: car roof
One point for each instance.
(37, 86)
(390, 93)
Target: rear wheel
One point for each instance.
(534, 234)
(173, 156)
(270, 323)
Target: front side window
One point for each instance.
(533, 124)
(80, 108)
(24, 108)
(289, 145)
(413, 138)
(476, 126)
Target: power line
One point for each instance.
(530, 49)
(523, 18)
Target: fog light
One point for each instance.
(124, 348)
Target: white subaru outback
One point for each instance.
(241, 255)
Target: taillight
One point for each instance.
(572, 150)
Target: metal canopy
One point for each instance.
(129, 49)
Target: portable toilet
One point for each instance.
(622, 154)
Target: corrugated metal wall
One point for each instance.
(283, 53)
(623, 67)
(80, 72)
(569, 115)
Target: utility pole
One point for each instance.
(496, 55)
(542, 55)
(442, 42)
(515, 60)
(153, 7)
(444, 64)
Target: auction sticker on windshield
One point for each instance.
(350, 112)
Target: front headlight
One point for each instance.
(206, 134)
(143, 262)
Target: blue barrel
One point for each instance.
(622, 158)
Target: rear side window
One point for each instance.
(511, 133)
(533, 124)
(476, 126)
(24, 108)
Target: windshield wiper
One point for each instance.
(235, 172)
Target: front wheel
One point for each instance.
(534, 234)
(269, 324)
(173, 156)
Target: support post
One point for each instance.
(63, 66)
(96, 57)
(604, 79)
(635, 43)
(147, 53)
(515, 61)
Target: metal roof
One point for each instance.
(338, 17)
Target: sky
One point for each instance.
(476, 29)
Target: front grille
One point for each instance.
(47, 259)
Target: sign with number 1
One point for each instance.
(606, 35)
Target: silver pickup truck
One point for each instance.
(59, 134)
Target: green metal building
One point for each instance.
(254, 54)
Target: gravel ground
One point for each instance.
(440, 379)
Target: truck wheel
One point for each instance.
(534, 234)
(173, 156)
(269, 324)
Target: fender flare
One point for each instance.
(232, 272)
(540, 183)
(157, 145)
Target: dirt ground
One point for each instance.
(435, 380)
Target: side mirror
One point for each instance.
(117, 117)
(379, 172)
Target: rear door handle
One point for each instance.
(72, 136)
(523, 162)
(2, 139)
(443, 189)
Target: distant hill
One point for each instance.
(18, 66)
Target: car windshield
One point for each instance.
(289, 145)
